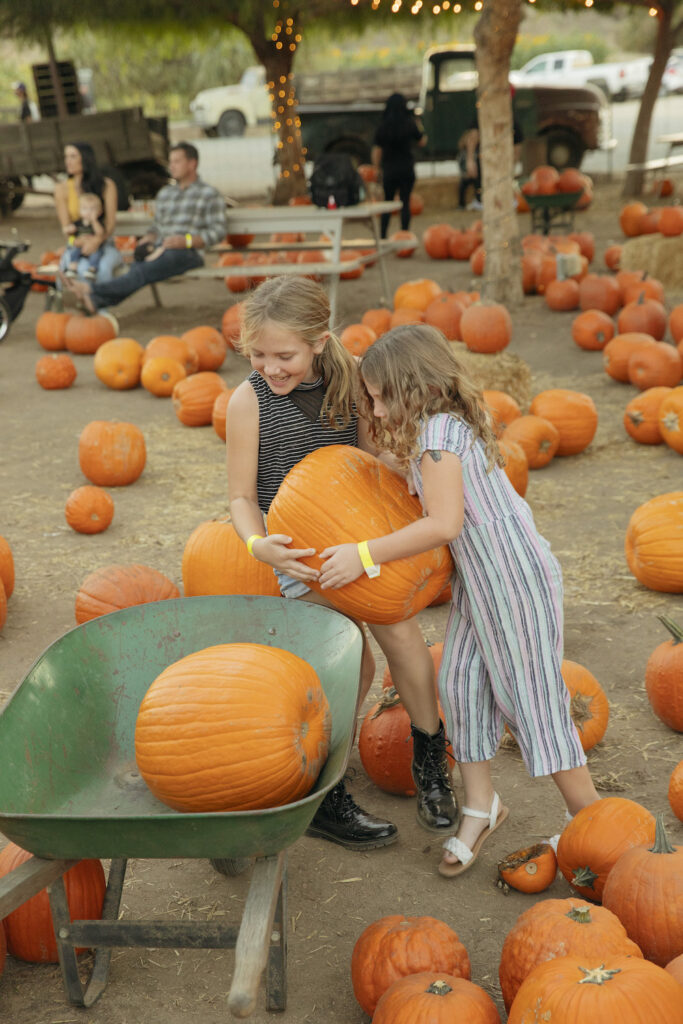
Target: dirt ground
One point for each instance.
(581, 504)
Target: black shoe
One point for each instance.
(437, 807)
(341, 820)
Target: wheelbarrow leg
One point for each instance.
(260, 943)
(76, 992)
(276, 968)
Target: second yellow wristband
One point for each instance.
(250, 543)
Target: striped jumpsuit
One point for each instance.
(503, 645)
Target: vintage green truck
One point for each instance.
(132, 147)
(558, 124)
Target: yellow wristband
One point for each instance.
(371, 570)
(188, 241)
(250, 543)
(71, 239)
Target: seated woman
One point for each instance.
(85, 177)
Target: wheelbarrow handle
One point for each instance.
(29, 878)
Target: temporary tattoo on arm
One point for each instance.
(436, 456)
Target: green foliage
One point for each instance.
(527, 47)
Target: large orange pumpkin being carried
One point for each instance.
(233, 727)
(339, 495)
(216, 561)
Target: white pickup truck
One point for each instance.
(230, 109)
(619, 80)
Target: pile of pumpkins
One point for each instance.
(567, 959)
(638, 219)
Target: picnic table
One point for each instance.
(673, 140)
(267, 221)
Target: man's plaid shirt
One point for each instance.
(198, 209)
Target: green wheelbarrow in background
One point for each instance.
(70, 789)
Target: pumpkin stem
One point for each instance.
(582, 915)
(439, 988)
(673, 627)
(389, 699)
(662, 844)
(597, 975)
(584, 878)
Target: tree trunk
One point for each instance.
(495, 35)
(634, 181)
(54, 73)
(276, 53)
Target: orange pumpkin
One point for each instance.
(630, 218)
(617, 353)
(585, 239)
(588, 706)
(545, 273)
(662, 187)
(645, 315)
(676, 323)
(649, 223)
(435, 996)
(368, 500)
(645, 890)
(209, 344)
(83, 335)
(89, 509)
(598, 291)
(385, 745)
(462, 244)
(612, 257)
(658, 365)
(592, 329)
(239, 241)
(436, 240)
(445, 313)
(197, 720)
(671, 419)
(516, 466)
(529, 870)
(160, 374)
(671, 221)
(3, 605)
(55, 371)
(396, 946)
(231, 324)
(572, 413)
(171, 347)
(531, 262)
(675, 969)
(486, 327)
(654, 541)
(357, 338)
(346, 256)
(574, 989)
(649, 287)
(416, 294)
(121, 586)
(51, 330)
(539, 438)
(570, 180)
(235, 282)
(118, 363)
(478, 261)
(111, 453)
(216, 561)
(219, 411)
(405, 315)
(502, 408)
(28, 929)
(675, 793)
(378, 320)
(664, 677)
(595, 838)
(411, 243)
(558, 928)
(6, 567)
(562, 295)
(194, 396)
(641, 416)
(545, 180)
(417, 204)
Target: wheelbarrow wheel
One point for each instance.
(231, 866)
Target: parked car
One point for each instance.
(230, 109)
(619, 80)
(672, 79)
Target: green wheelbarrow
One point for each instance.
(70, 789)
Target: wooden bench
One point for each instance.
(661, 164)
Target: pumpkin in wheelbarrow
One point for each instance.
(233, 727)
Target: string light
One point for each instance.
(653, 12)
(588, 3)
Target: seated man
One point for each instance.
(189, 215)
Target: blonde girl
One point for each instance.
(503, 645)
(299, 397)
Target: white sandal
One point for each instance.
(466, 857)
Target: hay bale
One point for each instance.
(660, 257)
(499, 371)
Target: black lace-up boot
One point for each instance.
(341, 820)
(437, 807)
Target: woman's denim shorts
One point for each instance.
(289, 587)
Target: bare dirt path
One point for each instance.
(581, 504)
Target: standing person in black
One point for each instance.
(396, 133)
